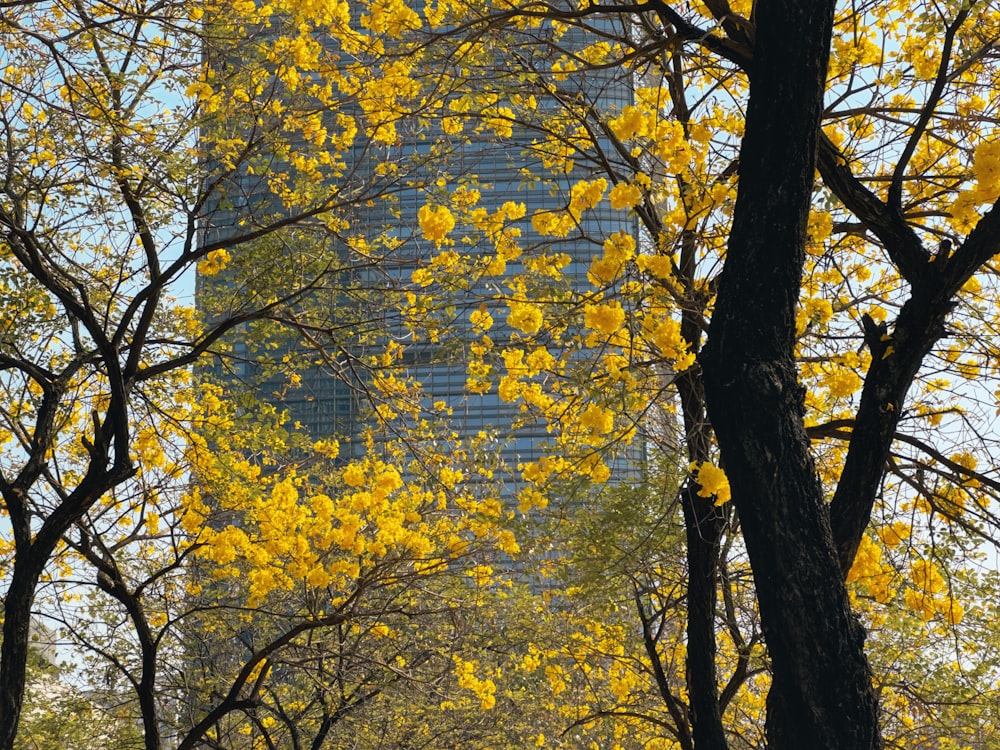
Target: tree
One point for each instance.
(822, 694)
(934, 184)
(230, 576)
(841, 440)
(122, 172)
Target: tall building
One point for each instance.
(330, 397)
(352, 309)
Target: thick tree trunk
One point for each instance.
(821, 696)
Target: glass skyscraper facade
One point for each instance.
(330, 398)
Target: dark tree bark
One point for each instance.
(703, 526)
(32, 555)
(703, 521)
(934, 281)
(111, 581)
(821, 695)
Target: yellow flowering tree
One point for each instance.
(140, 145)
(853, 318)
(883, 317)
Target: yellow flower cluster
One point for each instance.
(625, 195)
(606, 318)
(871, 573)
(619, 248)
(392, 17)
(286, 536)
(552, 223)
(435, 223)
(631, 123)
(986, 172)
(663, 333)
(524, 316)
(813, 313)
(481, 320)
(540, 471)
(853, 50)
(485, 689)
(712, 482)
(497, 227)
(658, 266)
(841, 382)
(214, 262)
(584, 195)
(597, 420)
(928, 594)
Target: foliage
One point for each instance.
(59, 715)
(371, 584)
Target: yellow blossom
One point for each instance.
(435, 222)
(524, 316)
(712, 481)
(624, 195)
(605, 318)
(214, 262)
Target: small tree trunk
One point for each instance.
(14, 649)
(703, 525)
